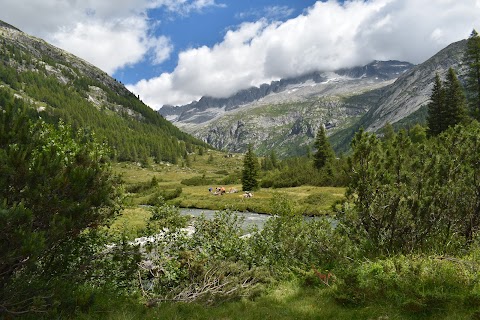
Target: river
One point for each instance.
(249, 218)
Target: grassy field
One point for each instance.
(287, 300)
(212, 169)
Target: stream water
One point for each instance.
(249, 218)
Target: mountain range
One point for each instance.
(286, 114)
(283, 115)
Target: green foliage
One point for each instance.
(300, 171)
(165, 216)
(455, 101)
(472, 61)
(447, 106)
(250, 171)
(290, 242)
(135, 131)
(162, 195)
(414, 284)
(418, 134)
(403, 197)
(324, 153)
(320, 199)
(270, 161)
(143, 186)
(54, 185)
(436, 109)
(204, 267)
(280, 205)
(233, 178)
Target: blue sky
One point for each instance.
(207, 27)
(175, 51)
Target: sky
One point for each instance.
(176, 51)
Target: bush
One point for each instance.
(143, 186)
(160, 196)
(319, 199)
(234, 178)
(54, 186)
(165, 216)
(405, 197)
(290, 241)
(208, 266)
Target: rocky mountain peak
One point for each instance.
(197, 111)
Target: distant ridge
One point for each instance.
(378, 70)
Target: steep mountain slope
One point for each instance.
(286, 114)
(403, 103)
(62, 86)
(412, 89)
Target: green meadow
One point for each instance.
(210, 170)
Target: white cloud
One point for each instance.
(109, 34)
(161, 48)
(328, 36)
(101, 43)
(149, 90)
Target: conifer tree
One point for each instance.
(472, 60)
(273, 158)
(324, 152)
(250, 171)
(455, 101)
(436, 108)
(448, 105)
(388, 132)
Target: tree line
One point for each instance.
(135, 131)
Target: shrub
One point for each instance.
(234, 178)
(165, 216)
(54, 186)
(406, 197)
(208, 266)
(160, 196)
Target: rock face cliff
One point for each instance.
(286, 114)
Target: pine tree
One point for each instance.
(388, 132)
(448, 106)
(324, 152)
(472, 60)
(455, 101)
(250, 171)
(273, 158)
(436, 109)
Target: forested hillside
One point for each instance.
(62, 86)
